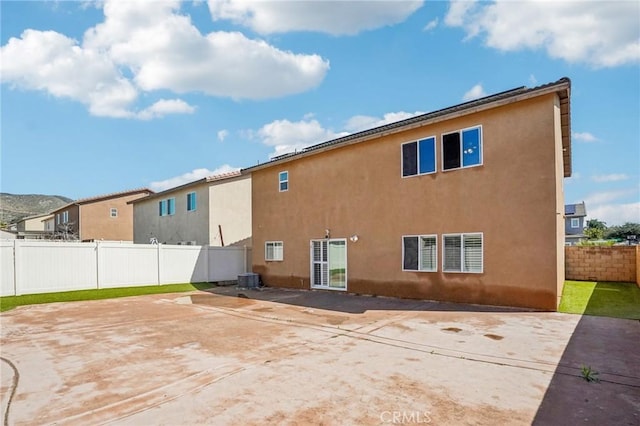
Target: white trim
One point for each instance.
(481, 163)
(577, 225)
(273, 243)
(195, 201)
(419, 236)
(417, 142)
(462, 235)
(113, 210)
(280, 182)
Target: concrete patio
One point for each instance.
(230, 356)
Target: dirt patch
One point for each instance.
(494, 336)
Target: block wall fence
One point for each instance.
(616, 263)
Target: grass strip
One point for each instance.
(607, 299)
(10, 302)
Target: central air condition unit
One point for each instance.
(248, 280)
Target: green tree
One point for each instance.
(595, 229)
(621, 232)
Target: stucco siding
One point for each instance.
(230, 206)
(96, 222)
(182, 226)
(358, 190)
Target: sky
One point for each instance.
(102, 97)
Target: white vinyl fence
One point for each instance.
(29, 267)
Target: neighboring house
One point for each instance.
(33, 227)
(104, 217)
(463, 204)
(574, 223)
(214, 211)
(6, 234)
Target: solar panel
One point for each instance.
(570, 209)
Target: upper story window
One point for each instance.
(167, 207)
(283, 181)
(57, 218)
(419, 157)
(191, 201)
(113, 212)
(273, 250)
(171, 206)
(162, 208)
(420, 253)
(462, 148)
(575, 222)
(462, 253)
(65, 217)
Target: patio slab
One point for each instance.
(230, 356)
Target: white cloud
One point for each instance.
(615, 214)
(475, 92)
(191, 176)
(431, 25)
(602, 34)
(584, 137)
(164, 107)
(608, 196)
(332, 17)
(533, 80)
(146, 46)
(362, 122)
(222, 135)
(615, 177)
(287, 136)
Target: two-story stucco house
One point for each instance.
(214, 211)
(574, 222)
(104, 217)
(431, 207)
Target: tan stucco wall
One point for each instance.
(32, 224)
(97, 224)
(230, 204)
(172, 229)
(358, 190)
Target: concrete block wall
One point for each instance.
(618, 263)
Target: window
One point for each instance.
(171, 206)
(283, 179)
(191, 201)
(65, 217)
(113, 212)
(162, 208)
(273, 250)
(420, 253)
(462, 253)
(419, 157)
(462, 149)
(57, 218)
(575, 222)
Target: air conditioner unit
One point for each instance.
(248, 280)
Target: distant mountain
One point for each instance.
(14, 207)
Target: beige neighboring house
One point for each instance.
(214, 211)
(464, 204)
(104, 217)
(33, 227)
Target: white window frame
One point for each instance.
(113, 212)
(462, 253)
(65, 217)
(274, 244)
(420, 265)
(576, 221)
(435, 159)
(285, 181)
(462, 166)
(195, 201)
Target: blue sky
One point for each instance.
(101, 97)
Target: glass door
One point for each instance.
(329, 264)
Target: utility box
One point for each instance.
(249, 280)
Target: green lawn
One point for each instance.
(10, 302)
(617, 300)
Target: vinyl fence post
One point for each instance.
(15, 267)
(158, 258)
(206, 261)
(98, 265)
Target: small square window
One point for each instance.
(283, 180)
(463, 253)
(113, 212)
(274, 251)
(419, 157)
(462, 148)
(575, 222)
(419, 253)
